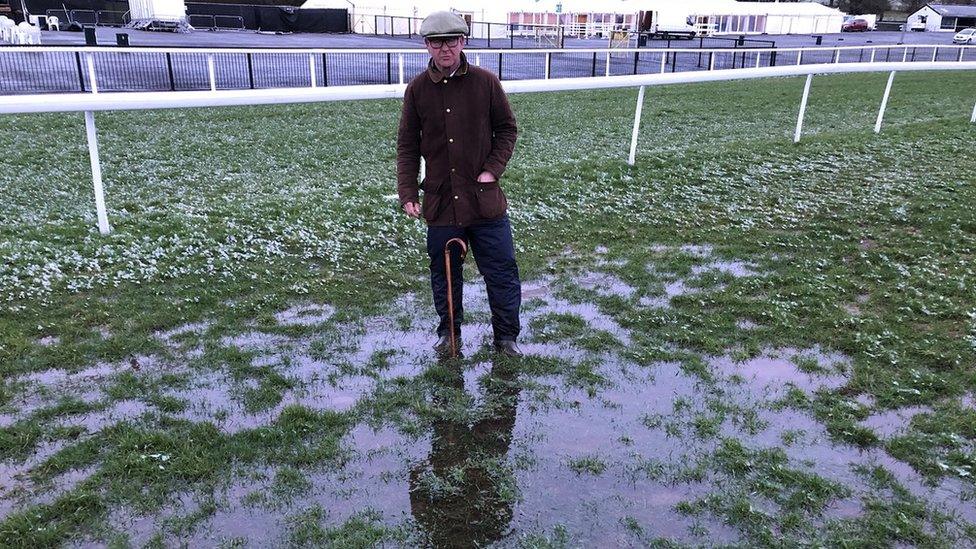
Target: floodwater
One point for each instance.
(502, 454)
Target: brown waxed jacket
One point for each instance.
(461, 125)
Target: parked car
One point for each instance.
(855, 25)
(965, 36)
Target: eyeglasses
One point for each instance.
(438, 43)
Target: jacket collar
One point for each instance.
(436, 75)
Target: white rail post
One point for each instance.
(837, 56)
(711, 60)
(545, 70)
(477, 59)
(972, 119)
(758, 58)
(210, 70)
(637, 117)
(799, 57)
(904, 56)
(91, 73)
(884, 102)
(311, 69)
(874, 51)
(400, 60)
(935, 54)
(803, 109)
(608, 64)
(664, 60)
(96, 168)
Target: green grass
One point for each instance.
(861, 244)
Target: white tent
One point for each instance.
(586, 18)
(158, 14)
(731, 17)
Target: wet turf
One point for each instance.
(737, 341)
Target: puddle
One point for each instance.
(191, 328)
(775, 371)
(49, 341)
(746, 324)
(890, 422)
(606, 285)
(737, 269)
(255, 341)
(517, 454)
(307, 314)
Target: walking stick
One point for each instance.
(450, 287)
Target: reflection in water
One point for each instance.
(462, 495)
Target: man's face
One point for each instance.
(446, 52)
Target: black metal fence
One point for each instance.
(53, 70)
(81, 18)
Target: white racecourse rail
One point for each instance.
(91, 102)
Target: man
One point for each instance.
(457, 117)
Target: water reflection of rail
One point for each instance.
(463, 494)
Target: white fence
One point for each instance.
(91, 102)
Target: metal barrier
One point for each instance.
(229, 22)
(216, 22)
(79, 18)
(59, 69)
(106, 18)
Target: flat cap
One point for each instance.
(443, 24)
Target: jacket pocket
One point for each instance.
(432, 206)
(491, 200)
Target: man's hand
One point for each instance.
(486, 177)
(412, 209)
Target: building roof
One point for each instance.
(949, 10)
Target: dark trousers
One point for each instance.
(494, 252)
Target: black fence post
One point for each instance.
(169, 66)
(710, 54)
(674, 62)
(635, 61)
(250, 70)
(772, 59)
(489, 34)
(376, 25)
(325, 72)
(499, 66)
(913, 52)
(389, 68)
(81, 74)
(860, 55)
(594, 64)
(511, 36)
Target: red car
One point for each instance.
(855, 25)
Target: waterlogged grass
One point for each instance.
(725, 240)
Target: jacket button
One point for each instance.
(453, 170)
(450, 141)
(455, 197)
(448, 110)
